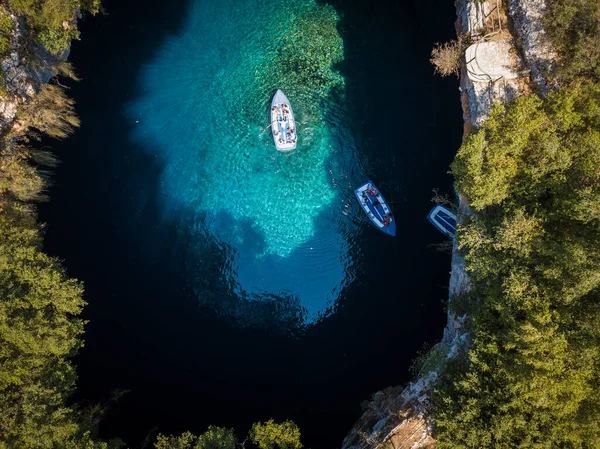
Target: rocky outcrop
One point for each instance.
(398, 417)
(535, 45)
(23, 73)
(495, 75)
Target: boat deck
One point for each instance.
(376, 208)
(283, 125)
(444, 220)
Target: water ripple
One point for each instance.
(270, 228)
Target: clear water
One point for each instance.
(146, 332)
(283, 220)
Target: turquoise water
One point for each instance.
(283, 222)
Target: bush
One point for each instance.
(574, 27)
(56, 40)
(6, 30)
(271, 435)
(268, 435)
(50, 112)
(53, 20)
(446, 57)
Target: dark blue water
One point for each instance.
(228, 283)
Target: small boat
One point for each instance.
(443, 219)
(376, 208)
(283, 126)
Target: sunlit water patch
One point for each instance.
(279, 220)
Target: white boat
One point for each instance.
(444, 220)
(283, 126)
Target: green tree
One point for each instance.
(186, 440)
(53, 21)
(213, 438)
(270, 435)
(6, 30)
(217, 438)
(40, 331)
(574, 27)
(530, 378)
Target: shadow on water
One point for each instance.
(187, 368)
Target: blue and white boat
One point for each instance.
(443, 219)
(376, 208)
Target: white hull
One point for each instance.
(283, 125)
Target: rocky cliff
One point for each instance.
(23, 71)
(510, 56)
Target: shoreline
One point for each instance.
(399, 417)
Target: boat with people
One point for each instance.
(283, 125)
(376, 208)
(443, 219)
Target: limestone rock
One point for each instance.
(539, 54)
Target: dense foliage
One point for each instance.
(40, 330)
(52, 21)
(40, 326)
(574, 27)
(6, 28)
(272, 435)
(213, 438)
(267, 435)
(532, 376)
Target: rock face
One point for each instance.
(496, 75)
(536, 48)
(489, 61)
(23, 74)
(398, 417)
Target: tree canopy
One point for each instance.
(213, 438)
(53, 21)
(574, 27)
(272, 435)
(531, 377)
(267, 435)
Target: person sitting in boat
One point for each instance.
(386, 219)
(280, 140)
(371, 190)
